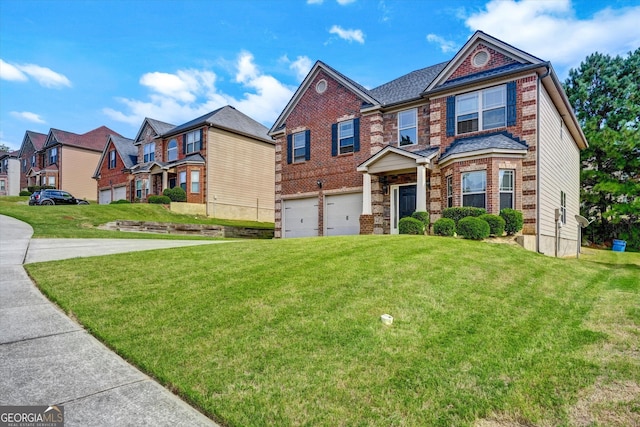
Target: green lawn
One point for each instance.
(288, 332)
(82, 221)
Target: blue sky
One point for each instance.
(76, 65)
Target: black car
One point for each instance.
(59, 197)
(35, 198)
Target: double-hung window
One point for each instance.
(408, 127)
(193, 141)
(183, 180)
(506, 189)
(24, 165)
(195, 181)
(172, 150)
(142, 188)
(450, 191)
(149, 152)
(3, 185)
(481, 110)
(346, 137)
(33, 160)
(112, 159)
(474, 189)
(299, 147)
(53, 155)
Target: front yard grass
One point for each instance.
(288, 332)
(82, 221)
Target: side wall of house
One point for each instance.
(240, 177)
(13, 176)
(559, 172)
(77, 167)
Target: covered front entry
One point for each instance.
(403, 204)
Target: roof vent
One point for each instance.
(321, 86)
(481, 58)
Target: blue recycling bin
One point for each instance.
(619, 245)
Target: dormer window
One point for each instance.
(408, 127)
(481, 110)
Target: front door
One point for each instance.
(403, 204)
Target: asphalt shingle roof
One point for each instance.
(128, 152)
(160, 127)
(92, 140)
(498, 140)
(229, 118)
(407, 87)
(37, 139)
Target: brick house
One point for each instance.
(114, 182)
(65, 160)
(31, 158)
(9, 173)
(223, 160)
(490, 128)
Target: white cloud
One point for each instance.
(11, 73)
(28, 116)
(44, 76)
(349, 35)
(445, 45)
(345, 2)
(550, 30)
(315, 1)
(302, 65)
(184, 95)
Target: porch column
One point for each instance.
(421, 189)
(165, 180)
(366, 194)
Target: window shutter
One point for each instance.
(184, 144)
(356, 134)
(511, 104)
(451, 116)
(289, 148)
(201, 141)
(334, 139)
(307, 144)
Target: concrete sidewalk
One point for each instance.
(47, 359)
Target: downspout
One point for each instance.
(538, 157)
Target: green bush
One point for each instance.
(456, 214)
(176, 194)
(513, 220)
(119, 202)
(422, 216)
(473, 228)
(410, 225)
(496, 224)
(444, 227)
(25, 193)
(159, 200)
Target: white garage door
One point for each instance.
(120, 193)
(105, 197)
(300, 218)
(342, 214)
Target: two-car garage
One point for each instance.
(300, 217)
(107, 196)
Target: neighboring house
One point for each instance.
(65, 160)
(223, 160)
(114, 181)
(31, 158)
(9, 173)
(491, 128)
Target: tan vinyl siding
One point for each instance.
(559, 171)
(77, 169)
(240, 177)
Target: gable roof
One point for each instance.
(227, 118)
(93, 140)
(125, 149)
(36, 139)
(158, 127)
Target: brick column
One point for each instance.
(366, 224)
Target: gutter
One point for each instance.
(548, 66)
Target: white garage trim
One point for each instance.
(342, 214)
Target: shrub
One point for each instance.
(473, 228)
(176, 194)
(496, 224)
(25, 193)
(513, 220)
(119, 202)
(444, 227)
(159, 200)
(456, 214)
(422, 216)
(410, 225)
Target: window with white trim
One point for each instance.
(142, 188)
(345, 137)
(563, 207)
(484, 109)
(149, 152)
(3, 185)
(506, 188)
(193, 141)
(52, 181)
(408, 127)
(112, 159)
(450, 191)
(474, 189)
(33, 160)
(183, 180)
(172, 150)
(24, 165)
(299, 147)
(195, 181)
